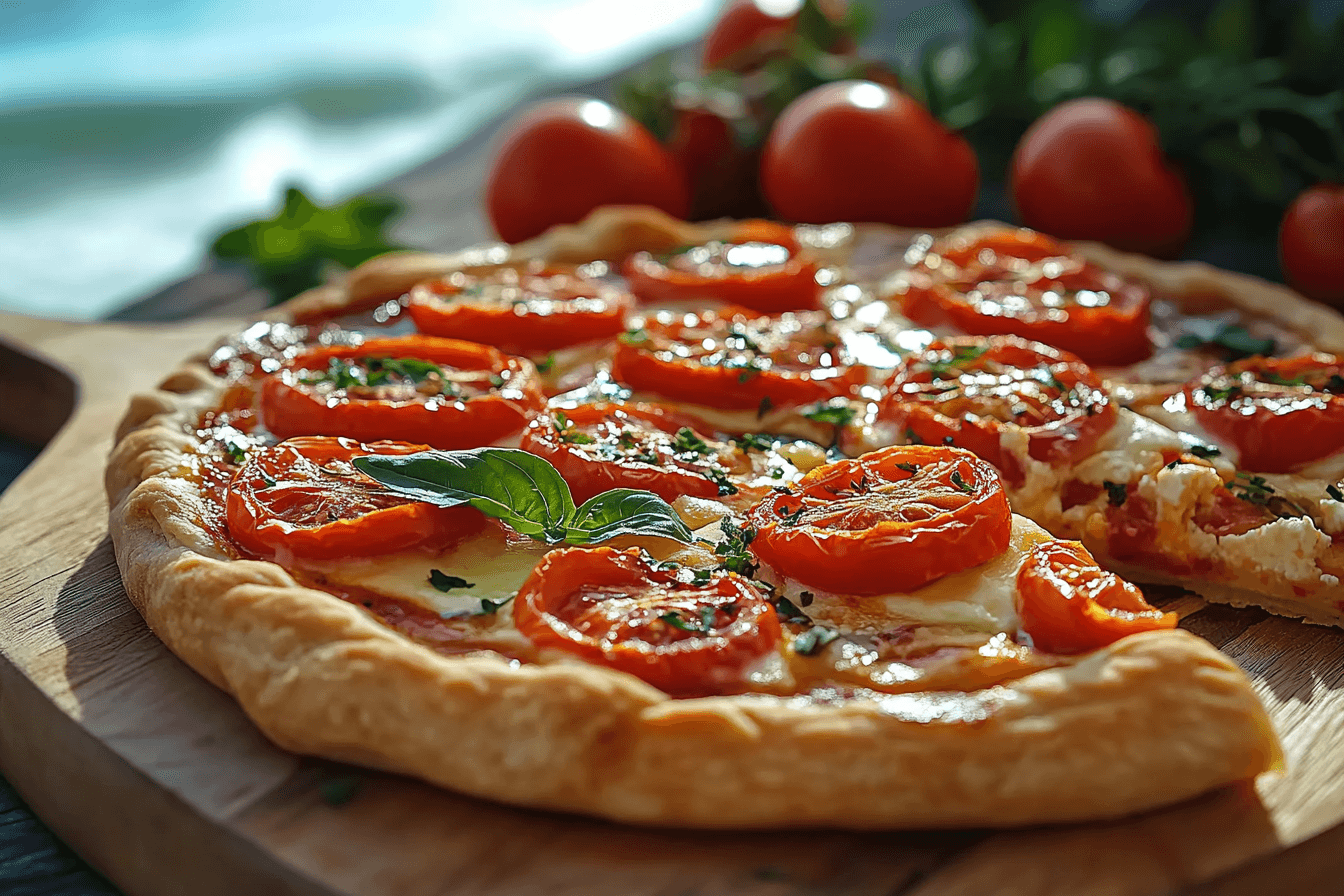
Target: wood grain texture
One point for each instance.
(161, 782)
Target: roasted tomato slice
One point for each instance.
(441, 392)
(682, 631)
(1279, 413)
(889, 521)
(303, 498)
(1004, 282)
(523, 309)
(737, 362)
(759, 268)
(1071, 605)
(598, 447)
(968, 391)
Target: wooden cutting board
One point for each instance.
(161, 782)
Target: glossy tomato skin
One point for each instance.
(563, 158)
(304, 499)
(861, 151)
(1070, 605)
(735, 361)
(617, 609)
(1279, 413)
(971, 390)
(598, 447)
(1092, 169)
(1020, 282)
(1311, 244)
(890, 521)
(780, 280)
(522, 309)
(496, 394)
(746, 33)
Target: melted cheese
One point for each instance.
(978, 601)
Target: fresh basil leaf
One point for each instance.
(519, 488)
(625, 511)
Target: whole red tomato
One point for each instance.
(747, 32)
(563, 158)
(861, 151)
(1093, 169)
(1311, 243)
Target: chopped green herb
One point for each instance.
(733, 548)
(834, 414)
(490, 607)
(754, 441)
(268, 479)
(1334, 493)
(1279, 380)
(1220, 394)
(445, 583)
(1205, 451)
(748, 372)
(1252, 489)
(813, 640)
(1335, 384)
(1173, 465)
(565, 428)
(912, 437)
(547, 365)
(1116, 492)
(962, 484)
(687, 442)
(701, 576)
(1235, 342)
(719, 477)
(676, 620)
(496, 380)
(764, 407)
(635, 336)
(789, 518)
(909, 468)
(236, 452)
(949, 369)
(788, 611)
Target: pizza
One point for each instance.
(745, 525)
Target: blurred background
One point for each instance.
(134, 132)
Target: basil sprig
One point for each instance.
(525, 492)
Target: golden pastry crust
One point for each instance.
(1150, 720)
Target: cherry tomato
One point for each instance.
(748, 32)
(759, 268)
(1003, 281)
(737, 362)
(860, 151)
(1071, 605)
(522, 309)
(1092, 169)
(1311, 243)
(442, 392)
(972, 389)
(889, 521)
(303, 498)
(598, 447)
(563, 158)
(682, 633)
(1279, 413)
(720, 171)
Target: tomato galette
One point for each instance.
(744, 525)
